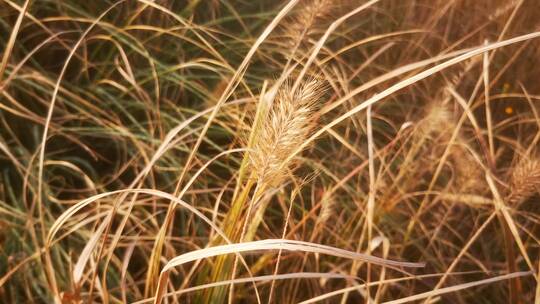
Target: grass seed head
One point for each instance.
(524, 180)
(305, 21)
(287, 123)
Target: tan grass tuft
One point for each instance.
(524, 180)
(287, 124)
(467, 171)
(303, 23)
(438, 121)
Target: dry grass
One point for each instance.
(296, 151)
(285, 125)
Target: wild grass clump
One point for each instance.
(294, 151)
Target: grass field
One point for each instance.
(265, 151)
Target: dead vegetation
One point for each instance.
(269, 151)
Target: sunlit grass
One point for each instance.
(269, 151)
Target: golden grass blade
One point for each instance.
(489, 119)
(233, 83)
(5, 277)
(279, 244)
(49, 267)
(87, 252)
(10, 155)
(323, 39)
(409, 81)
(501, 207)
(537, 294)
(227, 92)
(265, 278)
(12, 38)
(155, 256)
(87, 180)
(61, 220)
(77, 207)
(371, 193)
(463, 251)
(270, 244)
(377, 283)
(166, 144)
(458, 287)
(150, 133)
(391, 74)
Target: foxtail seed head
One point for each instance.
(287, 124)
(524, 180)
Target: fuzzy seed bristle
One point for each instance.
(524, 180)
(288, 122)
(437, 121)
(302, 23)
